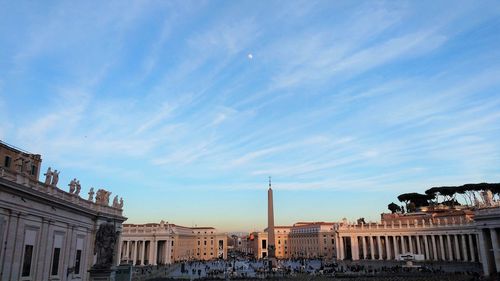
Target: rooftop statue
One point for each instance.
(91, 194)
(78, 187)
(48, 176)
(72, 185)
(55, 178)
(115, 202)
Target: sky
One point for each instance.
(185, 108)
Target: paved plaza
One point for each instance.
(317, 270)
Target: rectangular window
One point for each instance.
(28, 254)
(205, 243)
(33, 170)
(55, 261)
(77, 261)
(7, 161)
(56, 254)
(264, 244)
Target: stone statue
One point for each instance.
(361, 221)
(78, 187)
(102, 197)
(98, 196)
(72, 185)
(104, 248)
(121, 203)
(107, 194)
(91, 194)
(55, 178)
(115, 202)
(48, 176)
(487, 197)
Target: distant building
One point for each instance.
(46, 233)
(313, 240)
(165, 243)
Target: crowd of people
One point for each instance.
(307, 269)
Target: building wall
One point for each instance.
(166, 243)
(313, 240)
(19, 161)
(282, 243)
(46, 233)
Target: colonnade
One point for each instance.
(145, 252)
(431, 246)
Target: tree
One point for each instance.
(414, 200)
(393, 207)
(448, 192)
(468, 191)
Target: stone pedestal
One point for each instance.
(102, 274)
(123, 272)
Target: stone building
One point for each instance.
(459, 234)
(313, 240)
(47, 233)
(165, 243)
(302, 240)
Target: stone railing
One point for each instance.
(57, 193)
(144, 229)
(409, 224)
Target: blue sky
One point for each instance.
(346, 104)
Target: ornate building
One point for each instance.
(47, 233)
(164, 243)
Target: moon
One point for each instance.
(250, 56)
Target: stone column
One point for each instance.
(155, 251)
(441, 247)
(387, 248)
(495, 247)
(120, 246)
(340, 246)
(419, 248)
(464, 248)
(363, 242)
(128, 251)
(354, 248)
(134, 256)
(372, 248)
(457, 247)
(395, 244)
(379, 246)
(471, 248)
(427, 253)
(43, 247)
(434, 248)
(150, 252)
(483, 254)
(143, 246)
(403, 245)
(410, 243)
(450, 248)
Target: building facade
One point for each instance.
(313, 240)
(165, 243)
(46, 233)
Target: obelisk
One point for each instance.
(270, 227)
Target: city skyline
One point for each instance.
(185, 108)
